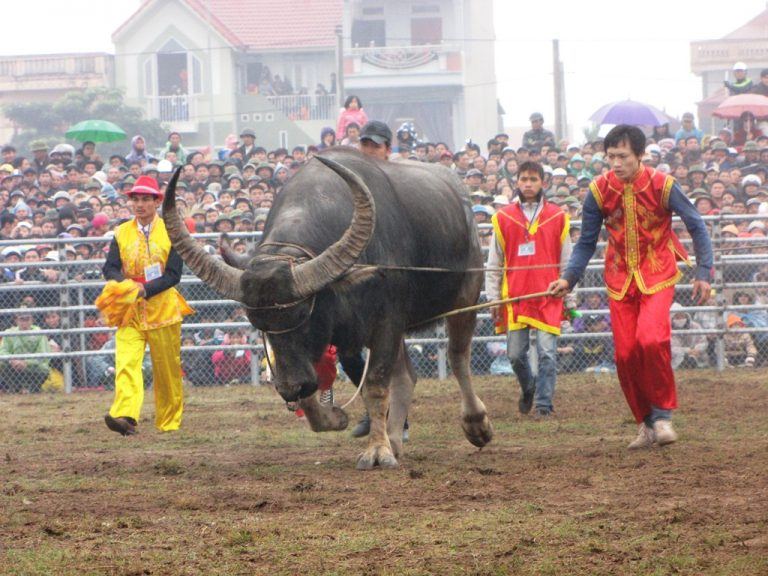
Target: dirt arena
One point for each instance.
(246, 488)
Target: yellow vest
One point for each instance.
(167, 307)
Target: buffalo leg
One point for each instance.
(401, 385)
(376, 396)
(474, 418)
(323, 418)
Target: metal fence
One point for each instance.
(66, 347)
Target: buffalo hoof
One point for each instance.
(397, 446)
(376, 455)
(477, 428)
(327, 419)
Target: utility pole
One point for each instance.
(561, 121)
(340, 66)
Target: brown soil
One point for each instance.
(246, 488)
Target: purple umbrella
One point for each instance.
(630, 112)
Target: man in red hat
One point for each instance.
(142, 252)
(636, 202)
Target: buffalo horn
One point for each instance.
(223, 278)
(312, 276)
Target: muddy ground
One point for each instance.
(246, 488)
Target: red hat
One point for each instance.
(146, 185)
(100, 219)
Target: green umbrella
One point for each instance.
(95, 131)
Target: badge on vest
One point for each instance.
(152, 272)
(527, 249)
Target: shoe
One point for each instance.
(526, 402)
(122, 425)
(645, 438)
(363, 427)
(326, 397)
(664, 432)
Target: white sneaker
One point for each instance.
(326, 397)
(664, 432)
(645, 438)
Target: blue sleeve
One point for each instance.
(702, 246)
(591, 223)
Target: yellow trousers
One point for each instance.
(165, 350)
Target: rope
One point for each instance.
(484, 305)
(360, 386)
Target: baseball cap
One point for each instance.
(751, 179)
(474, 172)
(501, 200)
(377, 132)
(481, 208)
(536, 116)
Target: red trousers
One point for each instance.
(641, 333)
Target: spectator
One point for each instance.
(174, 145)
(688, 130)
(327, 138)
(352, 112)
(688, 350)
(595, 353)
(233, 366)
(740, 349)
(741, 84)
(138, 152)
(27, 375)
(762, 87)
(537, 136)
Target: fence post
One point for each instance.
(65, 324)
(719, 282)
(255, 359)
(442, 356)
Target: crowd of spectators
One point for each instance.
(70, 193)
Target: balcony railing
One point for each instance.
(173, 109)
(297, 107)
(716, 54)
(54, 65)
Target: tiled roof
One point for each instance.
(267, 24)
(755, 29)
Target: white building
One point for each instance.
(200, 66)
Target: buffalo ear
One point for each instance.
(357, 278)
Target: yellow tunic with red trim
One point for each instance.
(641, 243)
(167, 307)
(546, 235)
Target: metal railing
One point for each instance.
(297, 107)
(81, 351)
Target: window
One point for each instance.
(368, 33)
(426, 31)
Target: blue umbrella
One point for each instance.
(630, 112)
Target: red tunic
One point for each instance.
(538, 245)
(641, 244)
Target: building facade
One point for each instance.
(47, 77)
(209, 68)
(713, 61)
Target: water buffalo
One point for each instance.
(309, 283)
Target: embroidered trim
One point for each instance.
(666, 191)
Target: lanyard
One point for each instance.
(532, 221)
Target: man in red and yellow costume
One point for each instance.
(530, 242)
(140, 299)
(637, 203)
